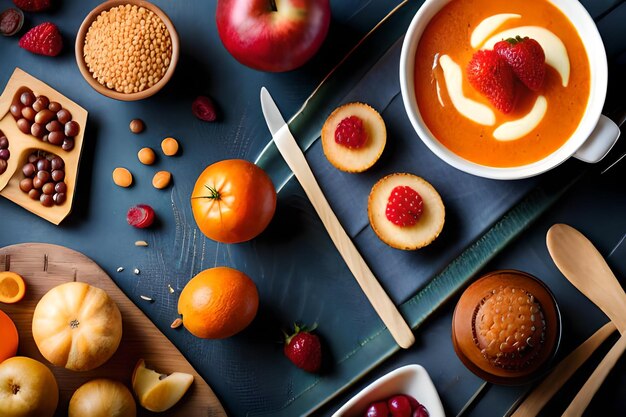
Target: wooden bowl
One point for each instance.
(102, 89)
(468, 332)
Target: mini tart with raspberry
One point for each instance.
(353, 137)
(405, 211)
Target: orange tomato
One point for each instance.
(12, 287)
(9, 337)
(233, 201)
(218, 302)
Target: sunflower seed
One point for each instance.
(176, 323)
(120, 269)
(141, 243)
(145, 297)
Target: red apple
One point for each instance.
(272, 35)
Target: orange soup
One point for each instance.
(561, 102)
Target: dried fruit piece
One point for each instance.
(161, 179)
(169, 146)
(33, 5)
(146, 156)
(140, 216)
(44, 39)
(122, 177)
(204, 109)
(404, 207)
(11, 21)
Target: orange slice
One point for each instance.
(8, 331)
(12, 287)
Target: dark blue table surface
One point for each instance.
(97, 225)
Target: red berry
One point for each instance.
(204, 109)
(351, 133)
(377, 409)
(44, 39)
(527, 59)
(404, 207)
(488, 73)
(420, 411)
(140, 216)
(304, 349)
(413, 401)
(399, 406)
(32, 5)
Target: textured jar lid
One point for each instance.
(506, 327)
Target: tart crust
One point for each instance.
(412, 237)
(354, 159)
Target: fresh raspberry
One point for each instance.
(351, 133)
(204, 109)
(488, 73)
(404, 207)
(140, 216)
(32, 5)
(527, 59)
(44, 39)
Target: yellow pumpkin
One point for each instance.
(77, 326)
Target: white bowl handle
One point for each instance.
(599, 142)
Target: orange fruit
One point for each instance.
(12, 287)
(9, 337)
(218, 302)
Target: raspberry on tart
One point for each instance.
(405, 211)
(353, 137)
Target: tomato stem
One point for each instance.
(215, 195)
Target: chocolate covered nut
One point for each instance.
(23, 125)
(136, 126)
(37, 130)
(44, 176)
(34, 194)
(54, 106)
(41, 103)
(38, 183)
(46, 200)
(64, 116)
(3, 166)
(58, 175)
(16, 110)
(54, 126)
(71, 128)
(5, 154)
(60, 188)
(4, 142)
(27, 98)
(56, 163)
(56, 138)
(44, 116)
(28, 113)
(48, 188)
(26, 184)
(59, 198)
(68, 144)
(29, 170)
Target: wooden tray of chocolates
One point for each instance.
(41, 141)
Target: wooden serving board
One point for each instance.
(22, 145)
(45, 266)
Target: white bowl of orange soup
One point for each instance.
(545, 128)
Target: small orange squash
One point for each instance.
(77, 326)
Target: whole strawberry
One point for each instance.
(304, 349)
(32, 5)
(526, 58)
(404, 206)
(44, 39)
(488, 73)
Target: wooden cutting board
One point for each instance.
(45, 266)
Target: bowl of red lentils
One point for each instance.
(127, 49)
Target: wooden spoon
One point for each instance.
(586, 269)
